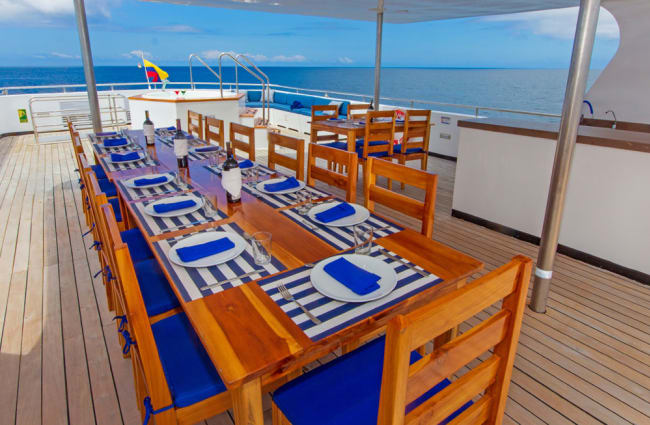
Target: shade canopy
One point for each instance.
(395, 11)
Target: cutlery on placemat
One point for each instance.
(404, 262)
(309, 224)
(192, 223)
(151, 195)
(232, 279)
(288, 297)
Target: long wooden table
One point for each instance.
(250, 339)
(351, 129)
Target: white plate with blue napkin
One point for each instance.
(261, 186)
(175, 201)
(226, 246)
(140, 157)
(132, 181)
(205, 150)
(360, 214)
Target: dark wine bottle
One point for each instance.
(231, 176)
(148, 129)
(180, 146)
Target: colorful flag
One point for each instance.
(154, 72)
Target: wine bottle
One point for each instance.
(180, 146)
(231, 176)
(148, 129)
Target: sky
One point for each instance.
(43, 33)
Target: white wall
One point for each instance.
(504, 178)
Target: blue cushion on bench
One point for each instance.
(189, 371)
(254, 104)
(343, 391)
(107, 187)
(254, 95)
(116, 209)
(279, 97)
(138, 247)
(303, 111)
(99, 171)
(281, 106)
(343, 109)
(157, 294)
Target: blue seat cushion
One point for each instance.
(344, 391)
(107, 187)
(254, 104)
(254, 95)
(99, 171)
(190, 374)
(138, 247)
(373, 143)
(336, 145)
(157, 294)
(398, 149)
(302, 111)
(281, 106)
(116, 209)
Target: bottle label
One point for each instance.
(180, 148)
(231, 182)
(148, 130)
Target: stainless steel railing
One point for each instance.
(266, 112)
(197, 57)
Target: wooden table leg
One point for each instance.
(452, 333)
(247, 403)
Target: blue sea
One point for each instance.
(538, 90)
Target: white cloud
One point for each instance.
(137, 54)
(557, 23)
(45, 11)
(177, 28)
(282, 58)
(255, 57)
(64, 55)
(345, 59)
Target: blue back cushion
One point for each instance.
(343, 108)
(254, 96)
(279, 97)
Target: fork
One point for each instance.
(288, 297)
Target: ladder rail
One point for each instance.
(266, 90)
(197, 57)
(238, 62)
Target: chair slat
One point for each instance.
(396, 201)
(477, 413)
(296, 164)
(326, 112)
(343, 159)
(214, 131)
(195, 123)
(239, 131)
(362, 108)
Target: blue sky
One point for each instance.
(42, 32)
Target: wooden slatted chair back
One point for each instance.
(214, 131)
(71, 127)
(417, 128)
(297, 163)
(343, 159)
(357, 110)
(76, 142)
(486, 384)
(243, 139)
(195, 124)
(380, 127)
(323, 113)
(396, 201)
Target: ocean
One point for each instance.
(538, 90)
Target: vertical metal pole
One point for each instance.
(146, 74)
(86, 55)
(380, 26)
(580, 60)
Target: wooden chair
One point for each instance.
(358, 110)
(411, 207)
(238, 132)
(415, 142)
(214, 131)
(323, 113)
(343, 159)
(195, 123)
(415, 389)
(296, 164)
(378, 138)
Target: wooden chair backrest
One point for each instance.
(195, 124)
(403, 383)
(378, 129)
(239, 132)
(76, 142)
(409, 206)
(296, 164)
(417, 128)
(71, 127)
(323, 113)
(214, 131)
(346, 161)
(357, 110)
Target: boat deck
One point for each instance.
(586, 361)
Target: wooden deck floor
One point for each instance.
(586, 361)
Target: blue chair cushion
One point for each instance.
(254, 95)
(138, 247)
(107, 187)
(99, 171)
(190, 374)
(336, 145)
(157, 294)
(398, 149)
(344, 391)
(116, 209)
(359, 149)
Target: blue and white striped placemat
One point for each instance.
(159, 225)
(100, 149)
(192, 282)
(132, 194)
(111, 166)
(341, 238)
(193, 143)
(264, 172)
(337, 315)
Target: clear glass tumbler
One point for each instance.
(363, 235)
(261, 242)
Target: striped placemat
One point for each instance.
(159, 225)
(337, 315)
(282, 200)
(132, 194)
(100, 149)
(341, 237)
(192, 282)
(264, 172)
(192, 143)
(110, 166)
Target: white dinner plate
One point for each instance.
(360, 215)
(330, 287)
(212, 260)
(177, 213)
(131, 182)
(140, 157)
(197, 150)
(260, 186)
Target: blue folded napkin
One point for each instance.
(202, 250)
(173, 206)
(355, 278)
(288, 183)
(246, 163)
(120, 141)
(207, 149)
(107, 133)
(147, 181)
(172, 128)
(120, 157)
(335, 213)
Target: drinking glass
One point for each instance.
(208, 208)
(363, 234)
(261, 242)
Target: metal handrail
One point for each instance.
(221, 55)
(197, 57)
(265, 90)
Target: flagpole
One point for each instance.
(145, 70)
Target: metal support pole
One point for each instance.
(380, 26)
(580, 60)
(86, 55)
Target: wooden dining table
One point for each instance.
(254, 344)
(352, 129)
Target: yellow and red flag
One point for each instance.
(154, 72)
